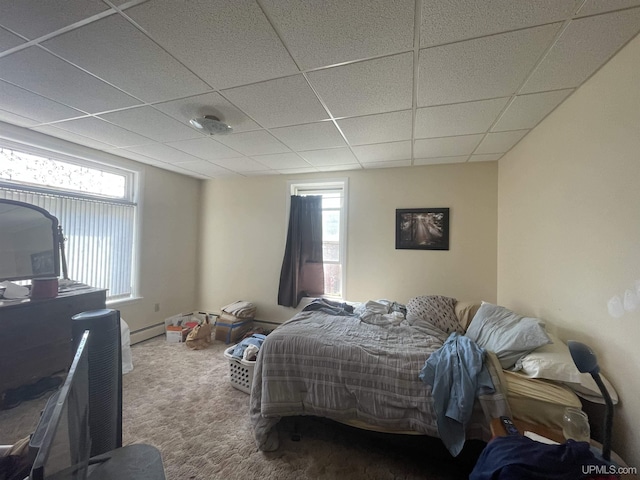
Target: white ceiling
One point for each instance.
(308, 86)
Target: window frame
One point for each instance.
(130, 175)
(133, 195)
(311, 187)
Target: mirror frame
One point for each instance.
(54, 239)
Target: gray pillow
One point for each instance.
(435, 310)
(507, 334)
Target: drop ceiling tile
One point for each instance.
(203, 167)
(331, 156)
(526, 111)
(260, 173)
(276, 103)
(9, 40)
(500, 142)
(102, 131)
(312, 136)
(294, 171)
(441, 160)
(163, 153)
(117, 52)
(280, 161)
(51, 77)
(34, 18)
(205, 148)
(487, 67)
(458, 119)
(487, 157)
(383, 152)
(578, 52)
(152, 124)
(240, 164)
(339, 168)
(253, 143)
(208, 104)
(383, 127)
(16, 119)
(397, 163)
(72, 137)
(27, 104)
(177, 169)
(592, 7)
(200, 176)
(121, 152)
(444, 21)
(446, 147)
(235, 38)
(335, 31)
(373, 86)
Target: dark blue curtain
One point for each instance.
(302, 273)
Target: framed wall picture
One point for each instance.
(422, 228)
(43, 263)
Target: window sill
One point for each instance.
(123, 301)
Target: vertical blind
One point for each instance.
(99, 237)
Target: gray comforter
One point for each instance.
(344, 369)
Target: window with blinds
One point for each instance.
(95, 207)
(334, 236)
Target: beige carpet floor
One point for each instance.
(182, 402)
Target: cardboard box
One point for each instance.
(229, 328)
(175, 327)
(177, 334)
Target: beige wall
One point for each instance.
(169, 232)
(569, 229)
(244, 232)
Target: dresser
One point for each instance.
(35, 335)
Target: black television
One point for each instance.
(61, 439)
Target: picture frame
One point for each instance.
(422, 228)
(43, 263)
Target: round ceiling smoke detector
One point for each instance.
(211, 125)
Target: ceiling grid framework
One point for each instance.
(306, 86)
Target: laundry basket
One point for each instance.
(240, 371)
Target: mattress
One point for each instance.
(341, 368)
(533, 400)
(538, 401)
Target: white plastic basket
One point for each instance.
(240, 371)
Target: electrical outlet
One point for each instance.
(156, 308)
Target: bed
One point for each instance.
(363, 368)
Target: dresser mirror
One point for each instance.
(28, 242)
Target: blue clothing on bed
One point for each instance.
(457, 374)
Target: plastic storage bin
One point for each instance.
(240, 371)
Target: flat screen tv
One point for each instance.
(63, 452)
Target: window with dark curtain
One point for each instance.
(302, 273)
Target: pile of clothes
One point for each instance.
(249, 347)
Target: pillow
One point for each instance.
(435, 310)
(465, 312)
(507, 334)
(554, 362)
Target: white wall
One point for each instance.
(244, 232)
(569, 230)
(168, 254)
